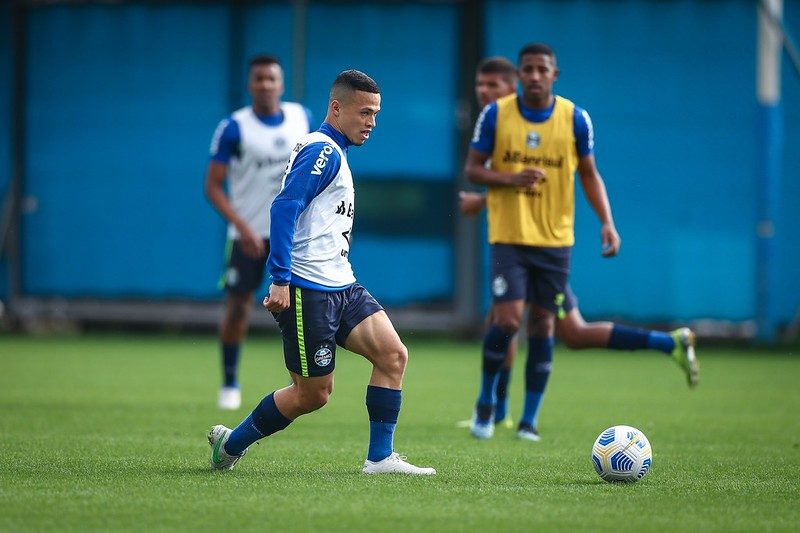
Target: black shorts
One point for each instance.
(316, 322)
(242, 274)
(533, 273)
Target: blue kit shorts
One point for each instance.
(316, 322)
(243, 274)
(533, 273)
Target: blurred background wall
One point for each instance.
(109, 107)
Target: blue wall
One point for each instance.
(123, 99)
(276, 41)
(122, 103)
(673, 105)
(418, 87)
(118, 124)
(5, 124)
(788, 228)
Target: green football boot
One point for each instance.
(684, 355)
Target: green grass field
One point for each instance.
(108, 432)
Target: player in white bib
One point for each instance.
(314, 295)
(250, 149)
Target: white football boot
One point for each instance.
(528, 432)
(482, 422)
(230, 398)
(395, 464)
(220, 459)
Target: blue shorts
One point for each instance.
(533, 273)
(242, 274)
(316, 322)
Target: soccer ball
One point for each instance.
(622, 453)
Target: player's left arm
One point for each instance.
(595, 190)
(593, 186)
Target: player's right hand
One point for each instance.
(252, 243)
(471, 203)
(528, 177)
(278, 298)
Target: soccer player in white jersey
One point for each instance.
(314, 295)
(250, 148)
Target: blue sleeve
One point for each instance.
(485, 126)
(310, 118)
(225, 143)
(584, 132)
(312, 171)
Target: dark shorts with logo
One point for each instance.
(242, 274)
(316, 322)
(533, 273)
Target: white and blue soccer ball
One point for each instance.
(622, 453)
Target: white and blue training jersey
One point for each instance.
(256, 149)
(312, 216)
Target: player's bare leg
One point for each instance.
(304, 395)
(376, 340)
(578, 334)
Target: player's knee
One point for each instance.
(572, 333)
(571, 339)
(509, 324)
(396, 359)
(315, 398)
(318, 400)
(237, 311)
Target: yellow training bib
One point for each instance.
(543, 215)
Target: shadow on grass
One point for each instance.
(259, 471)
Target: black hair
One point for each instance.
(263, 59)
(498, 65)
(536, 49)
(353, 80)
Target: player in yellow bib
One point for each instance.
(536, 141)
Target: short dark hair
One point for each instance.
(536, 49)
(263, 59)
(352, 80)
(498, 65)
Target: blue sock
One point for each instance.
(230, 364)
(383, 407)
(495, 346)
(262, 422)
(661, 341)
(530, 414)
(537, 371)
(627, 338)
(501, 411)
